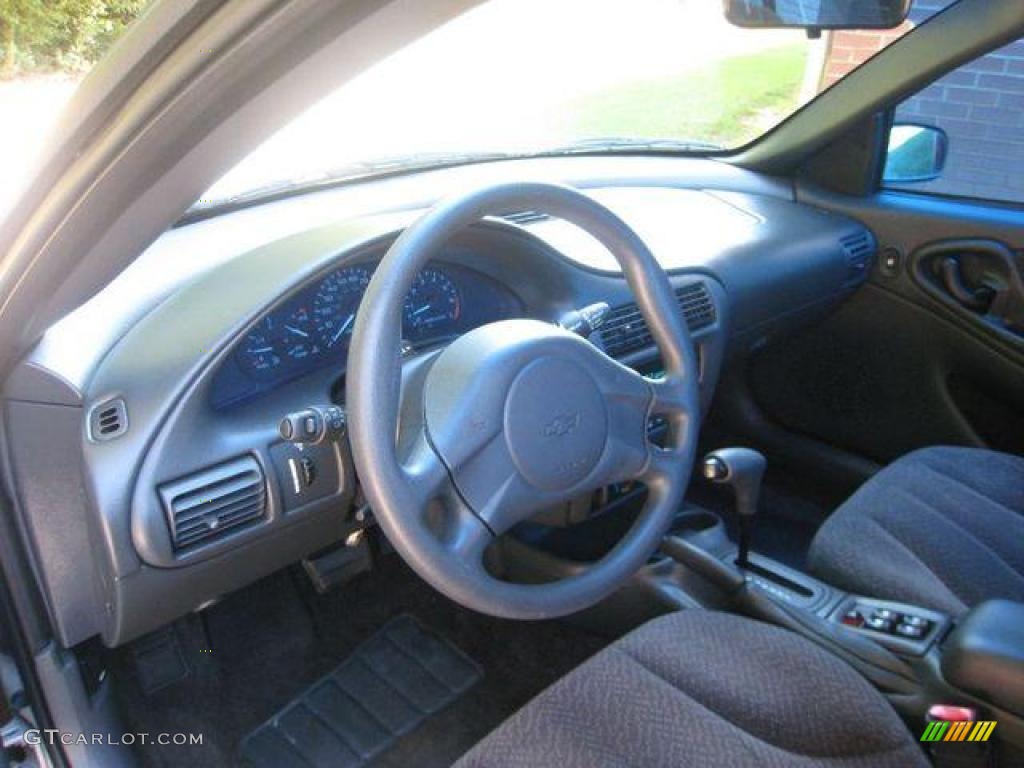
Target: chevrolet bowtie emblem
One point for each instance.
(562, 424)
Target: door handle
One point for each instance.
(975, 299)
(981, 279)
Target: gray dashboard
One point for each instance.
(100, 509)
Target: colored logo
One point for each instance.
(966, 730)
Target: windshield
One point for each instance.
(527, 77)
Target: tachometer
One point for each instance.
(433, 306)
(336, 303)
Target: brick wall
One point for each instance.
(848, 49)
(980, 106)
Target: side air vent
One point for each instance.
(207, 505)
(859, 248)
(626, 331)
(524, 218)
(108, 420)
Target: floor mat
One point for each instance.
(264, 645)
(391, 684)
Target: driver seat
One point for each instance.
(700, 688)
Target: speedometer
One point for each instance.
(336, 303)
(433, 306)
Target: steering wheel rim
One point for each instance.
(447, 478)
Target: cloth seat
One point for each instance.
(941, 527)
(699, 688)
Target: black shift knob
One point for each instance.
(742, 469)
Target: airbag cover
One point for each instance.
(555, 423)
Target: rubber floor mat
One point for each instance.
(391, 683)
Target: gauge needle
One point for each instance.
(297, 331)
(342, 329)
(261, 350)
(421, 310)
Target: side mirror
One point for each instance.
(817, 14)
(916, 153)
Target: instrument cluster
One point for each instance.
(313, 329)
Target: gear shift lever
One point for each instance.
(742, 469)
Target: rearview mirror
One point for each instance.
(818, 14)
(916, 153)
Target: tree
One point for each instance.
(26, 23)
(61, 34)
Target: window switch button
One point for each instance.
(853, 618)
(879, 624)
(909, 631)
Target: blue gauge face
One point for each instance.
(312, 328)
(433, 306)
(262, 350)
(278, 339)
(335, 306)
(299, 339)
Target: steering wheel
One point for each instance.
(515, 417)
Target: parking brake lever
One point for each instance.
(722, 574)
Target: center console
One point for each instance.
(926, 662)
(930, 665)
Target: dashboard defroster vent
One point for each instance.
(524, 218)
(858, 248)
(207, 505)
(626, 331)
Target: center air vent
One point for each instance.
(626, 331)
(208, 505)
(858, 248)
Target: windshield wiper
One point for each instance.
(633, 143)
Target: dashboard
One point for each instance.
(165, 390)
(312, 329)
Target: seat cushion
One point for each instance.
(941, 527)
(699, 688)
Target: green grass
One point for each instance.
(727, 103)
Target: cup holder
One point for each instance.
(699, 526)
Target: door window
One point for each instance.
(964, 135)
